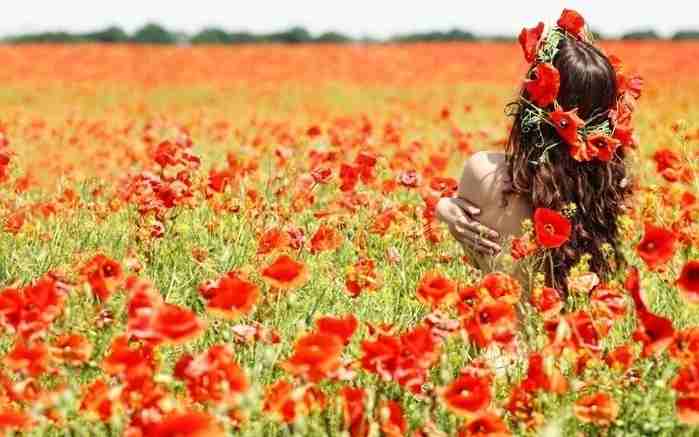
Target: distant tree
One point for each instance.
(154, 34)
(686, 35)
(452, 35)
(641, 34)
(46, 37)
(109, 35)
(244, 37)
(211, 36)
(295, 35)
(333, 37)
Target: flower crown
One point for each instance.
(588, 140)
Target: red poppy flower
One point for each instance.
(361, 276)
(584, 334)
(392, 420)
(620, 358)
(175, 325)
(467, 394)
(435, 289)
(190, 424)
(567, 125)
(409, 178)
(485, 425)
(604, 145)
(349, 175)
(103, 275)
(71, 349)
(688, 281)
(231, 296)
(538, 378)
(529, 40)
(96, 399)
(12, 420)
(492, 322)
(686, 384)
(353, 406)
(501, 286)
(272, 239)
(543, 88)
(655, 332)
(446, 187)
(383, 221)
(522, 247)
(30, 358)
(285, 273)
(547, 301)
(325, 238)
(665, 159)
(608, 302)
(321, 175)
(287, 404)
(316, 356)
(381, 355)
(212, 375)
(657, 246)
(343, 328)
(123, 357)
(598, 408)
(685, 347)
(572, 22)
(313, 131)
(552, 228)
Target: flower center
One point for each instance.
(549, 228)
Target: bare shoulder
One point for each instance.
(484, 177)
(483, 182)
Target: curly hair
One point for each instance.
(597, 189)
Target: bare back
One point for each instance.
(482, 183)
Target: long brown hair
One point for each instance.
(597, 189)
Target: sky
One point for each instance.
(374, 18)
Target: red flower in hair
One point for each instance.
(567, 124)
(657, 246)
(552, 228)
(543, 89)
(689, 281)
(572, 22)
(529, 40)
(604, 145)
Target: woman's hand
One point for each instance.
(459, 215)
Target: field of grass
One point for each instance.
(240, 241)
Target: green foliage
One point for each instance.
(154, 34)
(641, 35)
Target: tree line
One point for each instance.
(156, 34)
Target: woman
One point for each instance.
(572, 126)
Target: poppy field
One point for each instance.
(210, 241)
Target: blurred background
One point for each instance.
(213, 21)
